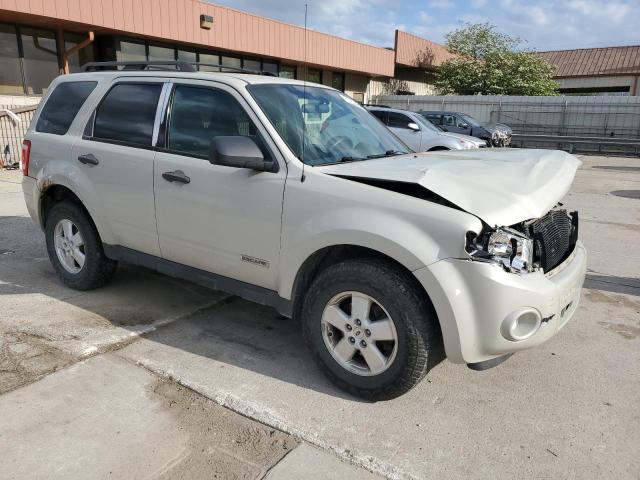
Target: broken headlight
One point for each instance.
(505, 246)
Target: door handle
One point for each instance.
(88, 159)
(177, 176)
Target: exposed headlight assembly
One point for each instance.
(505, 246)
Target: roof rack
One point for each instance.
(179, 65)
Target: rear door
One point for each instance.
(220, 219)
(116, 155)
(398, 123)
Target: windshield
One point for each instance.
(323, 126)
(470, 120)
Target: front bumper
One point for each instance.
(475, 300)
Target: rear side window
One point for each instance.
(199, 114)
(62, 106)
(127, 113)
(436, 119)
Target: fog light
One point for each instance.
(521, 324)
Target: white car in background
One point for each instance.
(420, 134)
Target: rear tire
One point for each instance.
(75, 248)
(342, 344)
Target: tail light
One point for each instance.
(24, 158)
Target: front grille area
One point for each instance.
(554, 237)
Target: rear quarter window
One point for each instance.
(62, 106)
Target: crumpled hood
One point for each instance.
(500, 186)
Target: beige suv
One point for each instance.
(383, 254)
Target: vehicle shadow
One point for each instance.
(231, 331)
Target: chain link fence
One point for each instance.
(14, 123)
(586, 124)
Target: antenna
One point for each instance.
(304, 93)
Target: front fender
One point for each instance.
(394, 236)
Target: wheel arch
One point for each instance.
(52, 193)
(330, 255)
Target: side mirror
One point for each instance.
(464, 125)
(238, 152)
(413, 126)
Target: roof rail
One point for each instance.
(224, 68)
(179, 65)
(141, 65)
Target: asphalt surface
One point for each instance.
(567, 409)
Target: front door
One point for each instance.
(220, 219)
(398, 123)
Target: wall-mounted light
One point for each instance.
(206, 21)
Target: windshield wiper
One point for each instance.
(388, 153)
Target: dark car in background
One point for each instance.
(497, 135)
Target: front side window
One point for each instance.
(127, 113)
(449, 120)
(62, 106)
(398, 120)
(322, 126)
(198, 114)
(468, 120)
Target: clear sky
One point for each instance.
(544, 24)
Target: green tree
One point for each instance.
(492, 63)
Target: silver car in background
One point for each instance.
(420, 134)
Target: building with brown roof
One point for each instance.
(597, 71)
(40, 39)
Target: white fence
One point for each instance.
(587, 116)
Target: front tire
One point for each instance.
(75, 248)
(370, 327)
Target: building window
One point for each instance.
(10, 73)
(132, 52)
(157, 53)
(288, 71)
(358, 97)
(84, 55)
(314, 75)
(187, 56)
(211, 59)
(337, 81)
(230, 62)
(252, 65)
(270, 67)
(40, 59)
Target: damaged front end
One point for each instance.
(540, 244)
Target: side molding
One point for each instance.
(260, 295)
